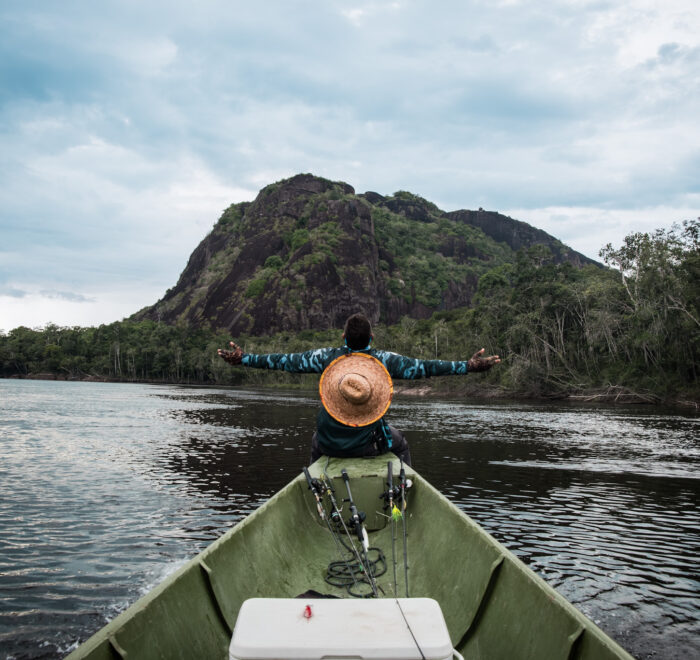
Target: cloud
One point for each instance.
(36, 311)
(12, 292)
(66, 295)
(126, 128)
(354, 15)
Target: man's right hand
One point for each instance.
(234, 356)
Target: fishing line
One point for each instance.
(345, 574)
(408, 625)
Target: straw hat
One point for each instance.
(356, 389)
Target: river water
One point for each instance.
(107, 488)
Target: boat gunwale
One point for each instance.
(358, 468)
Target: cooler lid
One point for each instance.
(367, 629)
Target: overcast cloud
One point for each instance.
(127, 127)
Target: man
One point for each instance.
(356, 392)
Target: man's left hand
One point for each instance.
(478, 363)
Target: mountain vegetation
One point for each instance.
(435, 284)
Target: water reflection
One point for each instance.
(603, 502)
(247, 448)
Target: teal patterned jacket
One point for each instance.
(334, 438)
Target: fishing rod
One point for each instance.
(355, 521)
(342, 573)
(392, 507)
(404, 504)
(391, 494)
(319, 488)
(356, 517)
(314, 487)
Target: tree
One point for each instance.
(660, 273)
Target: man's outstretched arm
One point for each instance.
(402, 367)
(299, 363)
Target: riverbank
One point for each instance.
(609, 394)
(436, 388)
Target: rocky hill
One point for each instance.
(308, 252)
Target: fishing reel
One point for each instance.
(356, 526)
(335, 517)
(395, 493)
(318, 487)
(390, 496)
(356, 519)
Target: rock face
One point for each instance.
(308, 252)
(517, 234)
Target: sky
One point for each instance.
(127, 127)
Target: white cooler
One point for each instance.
(361, 629)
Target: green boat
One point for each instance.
(448, 574)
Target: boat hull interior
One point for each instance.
(494, 606)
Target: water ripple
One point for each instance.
(105, 489)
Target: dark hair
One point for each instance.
(358, 332)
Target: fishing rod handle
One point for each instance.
(346, 479)
(308, 478)
(390, 474)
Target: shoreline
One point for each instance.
(613, 394)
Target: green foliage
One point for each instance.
(257, 286)
(298, 238)
(274, 262)
(417, 248)
(145, 351)
(231, 218)
(406, 196)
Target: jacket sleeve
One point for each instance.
(308, 362)
(405, 368)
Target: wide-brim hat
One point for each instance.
(356, 389)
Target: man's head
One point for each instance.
(358, 332)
